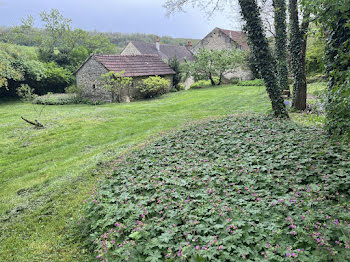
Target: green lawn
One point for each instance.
(46, 174)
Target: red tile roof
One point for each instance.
(135, 65)
(237, 36)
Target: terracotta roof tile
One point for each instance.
(135, 65)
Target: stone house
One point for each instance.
(139, 67)
(163, 51)
(219, 39)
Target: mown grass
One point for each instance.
(45, 174)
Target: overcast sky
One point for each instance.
(126, 16)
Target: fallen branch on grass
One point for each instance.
(35, 123)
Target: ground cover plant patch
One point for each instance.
(47, 173)
(242, 188)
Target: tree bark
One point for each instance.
(263, 55)
(280, 18)
(35, 123)
(297, 44)
(304, 29)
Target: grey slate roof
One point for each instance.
(166, 51)
(135, 65)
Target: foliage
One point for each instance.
(180, 87)
(26, 93)
(204, 83)
(154, 86)
(174, 64)
(64, 99)
(280, 17)
(56, 79)
(18, 65)
(73, 89)
(211, 63)
(222, 191)
(47, 174)
(56, 99)
(114, 82)
(315, 63)
(334, 18)
(263, 56)
(296, 51)
(8, 70)
(252, 64)
(316, 78)
(255, 82)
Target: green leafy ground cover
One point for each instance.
(46, 174)
(234, 189)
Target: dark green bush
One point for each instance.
(226, 190)
(234, 81)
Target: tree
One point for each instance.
(214, 63)
(298, 43)
(17, 66)
(57, 41)
(333, 16)
(174, 64)
(280, 17)
(115, 83)
(258, 40)
(263, 55)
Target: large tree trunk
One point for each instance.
(280, 17)
(297, 44)
(263, 55)
(304, 28)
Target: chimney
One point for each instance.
(158, 44)
(189, 44)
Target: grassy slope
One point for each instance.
(46, 174)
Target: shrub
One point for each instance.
(26, 93)
(56, 79)
(255, 82)
(226, 190)
(56, 99)
(234, 81)
(201, 84)
(73, 89)
(180, 87)
(154, 86)
(204, 83)
(65, 99)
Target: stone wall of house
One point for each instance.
(130, 49)
(240, 73)
(216, 40)
(88, 78)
